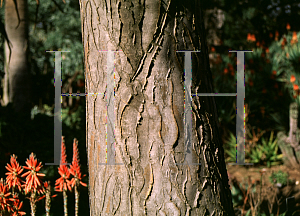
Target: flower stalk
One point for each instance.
(33, 203)
(63, 183)
(75, 171)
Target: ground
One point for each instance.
(240, 174)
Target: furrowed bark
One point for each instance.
(149, 111)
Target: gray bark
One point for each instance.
(17, 83)
(149, 111)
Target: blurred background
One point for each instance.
(272, 78)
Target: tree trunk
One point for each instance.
(17, 76)
(149, 111)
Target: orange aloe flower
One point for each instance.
(13, 176)
(75, 167)
(33, 177)
(46, 188)
(288, 27)
(230, 67)
(296, 87)
(251, 37)
(295, 38)
(63, 183)
(293, 79)
(4, 201)
(267, 50)
(270, 35)
(17, 206)
(283, 43)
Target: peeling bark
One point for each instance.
(149, 111)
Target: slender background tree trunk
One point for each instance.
(149, 111)
(17, 81)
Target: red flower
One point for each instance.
(225, 71)
(295, 38)
(75, 167)
(17, 206)
(13, 176)
(296, 87)
(4, 205)
(230, 67)
(46, 188)
(293, 79)
(288, 27)
(32, 180)
(267, 50)
(213, 49)
(270, 35)
(283, 43)
(63, 182)
(251, 37)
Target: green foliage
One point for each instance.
(267, 152)
(264, 153)
(237, 197)
(73, 119)
(279, 177)
(285, 58)
(56, 27)
(264, 214)
(230, 148)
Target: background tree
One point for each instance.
(17, 80)
(149, 107)
(52, 25)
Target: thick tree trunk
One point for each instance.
(149, 111)
(17, 81)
